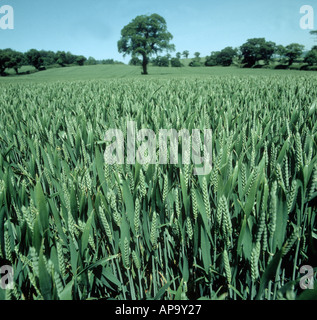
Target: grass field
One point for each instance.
(101, 72)
(74, 227)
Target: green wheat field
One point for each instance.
(74, 228)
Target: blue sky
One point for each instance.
(92, 28)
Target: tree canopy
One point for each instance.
(145, 36)
(222, 58)
(185, 54)
(161, 61)
(34, 58)
(311, 56)
(257, 49)
(4, 60)
(293, 51)
(11, 59)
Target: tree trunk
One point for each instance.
(144, 65)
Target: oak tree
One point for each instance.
(145, 36)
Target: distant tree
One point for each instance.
(160, 61)
(239, 56)
(225, 56)
(185, 54)
(135, 61)
(34, 58)
(197, 56)
(293, 51)
(212, 60)
(61, 58)
(80, 60)
(145, 36)
(280, 51)
(16, 60)
(257, 49)
(49, 57)
(176, 63)
(267, 51)
(110, 61)
(70, 58)
(65, 58)
(196, 61)
(91, 61)
(107, 61)
(178, 55)
(311, 56)
(222, 58)
(4, 60)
